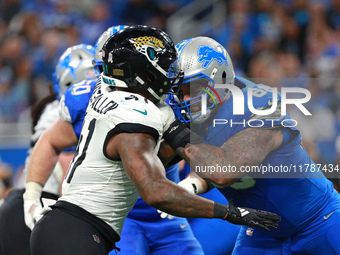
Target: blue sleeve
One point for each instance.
(76, 100)
(71, 149)
(184, 173)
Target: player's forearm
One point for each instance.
(203, 158)
(42, 162)
(190, 147)
(248, 147)
(173, 199)
(146, 172)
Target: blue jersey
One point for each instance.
(298, 197)
(76, 99)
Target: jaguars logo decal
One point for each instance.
(149, 46)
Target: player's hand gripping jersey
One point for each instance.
(128, 113)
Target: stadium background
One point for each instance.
(276, 42)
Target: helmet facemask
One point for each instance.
(205, 63)
(204, 99)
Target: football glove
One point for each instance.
(32, 205)
(251, 217)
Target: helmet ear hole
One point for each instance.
(150, 76)
(68, 84)
(224, 77)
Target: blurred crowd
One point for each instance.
(276, 42)
(34, 33)
(292, 43)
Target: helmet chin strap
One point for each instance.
(160, 69)
(150, 90)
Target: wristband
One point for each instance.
(33, 191)
(220, 211)
(178, 135)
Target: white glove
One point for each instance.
(47, 202)
(32, 205)
(192, 185)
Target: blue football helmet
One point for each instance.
(97, 58)
(205, 63)
(74, 65)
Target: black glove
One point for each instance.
(179, 135)
(246, 216)
(251, 217)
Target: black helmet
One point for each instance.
(141, 56)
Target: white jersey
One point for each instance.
(95, 182)
(48, 117)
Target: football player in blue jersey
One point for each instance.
(51, 144)
(14, 234)
(306, 201)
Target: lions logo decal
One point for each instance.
(149, 46)
(207, 55)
